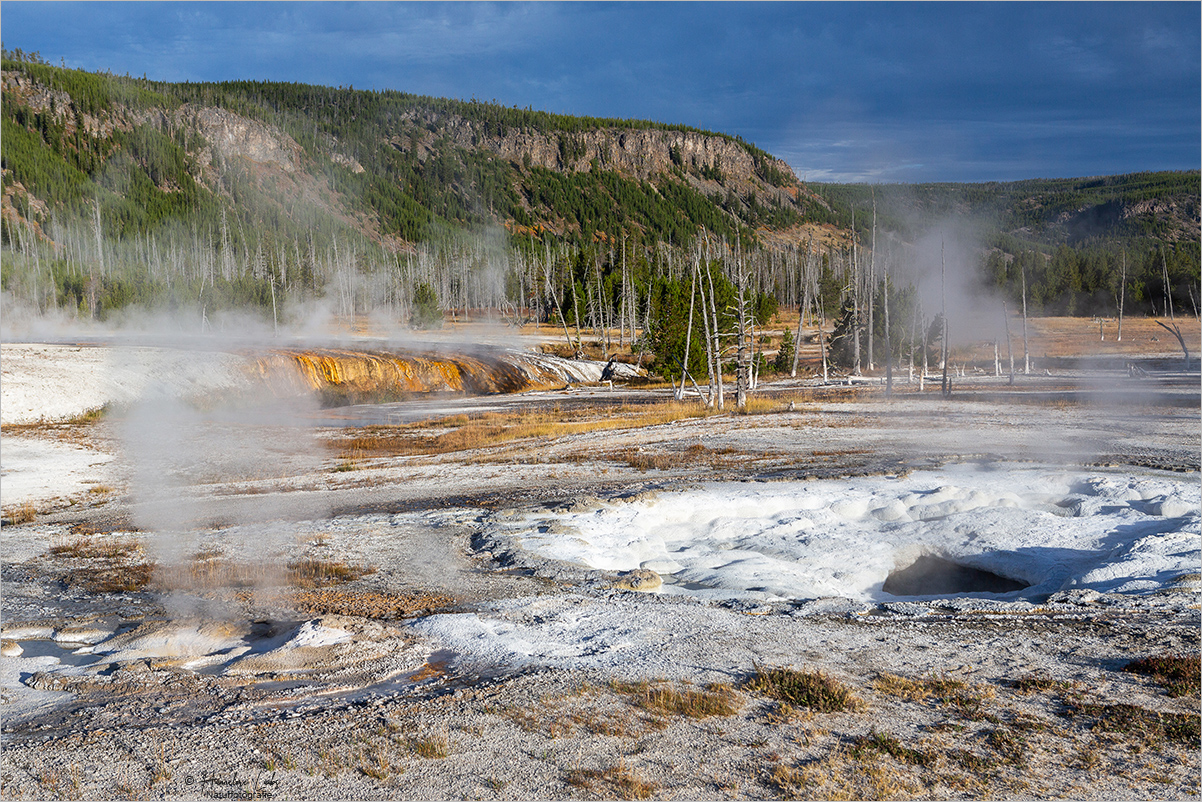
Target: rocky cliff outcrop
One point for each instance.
(227, 135)
(42, 99)
(711, 163)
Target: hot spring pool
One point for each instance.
(998, 531)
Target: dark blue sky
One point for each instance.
(843, 91)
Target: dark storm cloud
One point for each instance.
(856, 91)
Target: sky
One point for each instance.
(879, 92)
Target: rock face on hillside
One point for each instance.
(234, 136)
(42, 99)
(634, 152)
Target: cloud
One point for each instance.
(897, 91)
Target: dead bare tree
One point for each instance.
(947, 387)
(872, 288)
(821, 330)
(922, 377)
(1026, 349)
(805, 307)
(709, 343)
(1122, 293)
(549, 288)
(688, 334)
(855, 290)
(1009, 347)
(742, 360)
(721, 402)
(1176, 332)
(885, 295)
(913, 338)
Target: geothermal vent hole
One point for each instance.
(930, 575)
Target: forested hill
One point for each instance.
(122, 192)
(303, 161)
(1040, 214)
(1080, 243)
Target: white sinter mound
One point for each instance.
(1048, 528)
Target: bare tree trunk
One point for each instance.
(922, 377)
(947, 388)
(1026, 349)
(275, 319)
(646, 327)
(602, 306)
(1168, 291)
(888, 334)
(1176, 332)
(688, 334)
(741, 371)
(872, 288)
(821, 331)
(709, 347)
(100, 259)
(1009, 348)
(576, 315)
(855, 298)
(555, 297)
(625, 301)
(913, 332)
(717, 342)
(1122, 293)
(801, 312)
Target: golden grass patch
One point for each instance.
(22, 513)
(665, 698)
(813, 689)
(114, 579)
(617, 781)
(431, 747)
(321, 573)
(464, 432)
(370, 604)
(95, 548)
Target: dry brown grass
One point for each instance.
(431, 747)
(22, 513)
(123, 571)
(813, 689)
(665, 698)
(131, 578)
(90, 548)
(840, 774)
(1075, 336)
(890, 745)
(323, 573)
(616, 781)
(906, 688)
(637, 709)
(375, 764)
(370, 604)
(464, 432)
(1038, 683)
(1136, 723)
(55, 427)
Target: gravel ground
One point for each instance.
(655, 697)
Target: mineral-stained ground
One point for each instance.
(594, 592)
